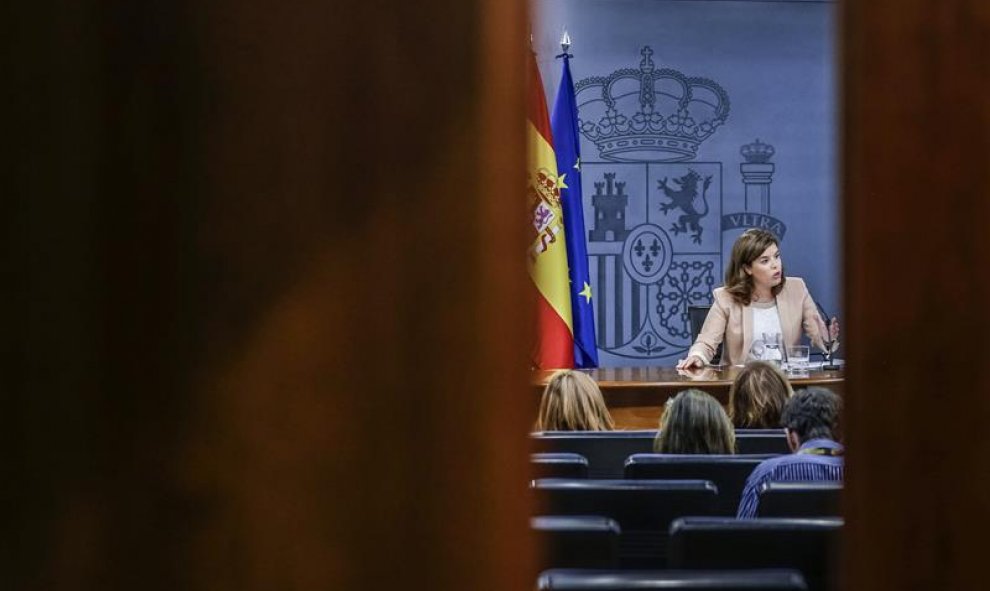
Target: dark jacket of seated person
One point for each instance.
(811, 418)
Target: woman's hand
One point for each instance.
(833, 329)
(833, 334)
(829, 334)
(692, 362)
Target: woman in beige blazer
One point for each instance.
(755, 279)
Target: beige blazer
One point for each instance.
(732, 322)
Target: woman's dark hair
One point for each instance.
(813, 413)
(757, 396)
(747, 248)
(693, 422)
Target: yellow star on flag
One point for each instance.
(586, 292)
(560, 182)
(577, 164)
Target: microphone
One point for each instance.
(827, 365)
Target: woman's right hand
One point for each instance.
(692, 362)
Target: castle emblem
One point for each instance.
(610, 205)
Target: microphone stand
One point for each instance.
(827, 340)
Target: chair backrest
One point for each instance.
(728, 472)
(643, 509)
(606, 451)
(559, 465)
(707, 580)
(761, 441)
(799, 499)
(696, 318)
(808, 545)
(577, 541)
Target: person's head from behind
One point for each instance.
(757, 396)
(812, 413)
(693, 422)
(755, 262)
(572, 401)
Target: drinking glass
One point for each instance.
(797, 357)
(772, 351)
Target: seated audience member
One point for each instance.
(572, 401)
(693, 422)
(811, 418)
(757, 396)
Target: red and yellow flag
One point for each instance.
(547, 253)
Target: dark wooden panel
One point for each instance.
(916, 78)
(253, 242)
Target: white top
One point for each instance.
(766, 321)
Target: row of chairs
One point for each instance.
(593, 545)
(643, 510)
(606, 451)
(727, 472)
(621, 506)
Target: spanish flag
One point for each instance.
(547, 251)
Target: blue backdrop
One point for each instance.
(699, 118)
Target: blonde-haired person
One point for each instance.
(757, 396)
(572, 401)
(756, 299)
(693, 422)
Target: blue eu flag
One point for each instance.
(567, 145)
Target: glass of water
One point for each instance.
(772, 351)
(797, 357)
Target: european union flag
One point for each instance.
(567, 146)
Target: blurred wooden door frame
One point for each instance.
(265, 332)
(916, 139)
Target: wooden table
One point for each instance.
(635, 395)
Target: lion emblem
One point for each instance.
(684, 198)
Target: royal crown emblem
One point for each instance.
(757, 152)
(646, 114)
